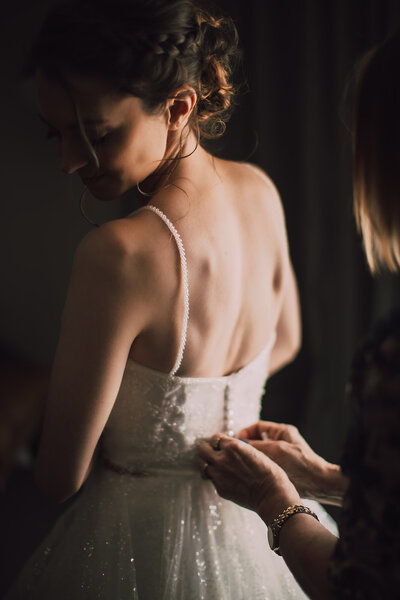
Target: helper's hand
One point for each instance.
(242, 474)
(313, 476)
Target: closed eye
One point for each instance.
(98, 141)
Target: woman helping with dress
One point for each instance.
(175, 315)
(270, 472)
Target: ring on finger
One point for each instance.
(204, 472)
(216, 445)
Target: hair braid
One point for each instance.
(147, 48)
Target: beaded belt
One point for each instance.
(152, 471)
(123, 470)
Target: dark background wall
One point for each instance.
(293, 120)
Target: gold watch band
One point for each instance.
(275, 527)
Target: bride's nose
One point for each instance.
(73, 156)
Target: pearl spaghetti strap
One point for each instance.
(185, 282)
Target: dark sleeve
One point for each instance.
(366, 562)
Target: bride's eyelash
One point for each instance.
(99, 140)
(96, 141)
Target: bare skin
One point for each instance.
(313, 476)
(244, 475)
(274, 470)
(125, 300)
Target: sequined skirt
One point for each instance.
(159, 537)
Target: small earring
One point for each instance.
(141, 192)
(82, 209)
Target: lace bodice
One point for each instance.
(158, 418)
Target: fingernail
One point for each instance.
(242, 440)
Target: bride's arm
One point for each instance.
(288, 330)
(288, 326)
(106, 308)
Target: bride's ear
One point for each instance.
(180, 106)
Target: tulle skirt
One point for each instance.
(158, 537)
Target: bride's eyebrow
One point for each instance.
(75, 125)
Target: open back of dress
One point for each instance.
(146, 526)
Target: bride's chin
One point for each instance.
(105, 196)
(105, 192)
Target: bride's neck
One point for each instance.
(188, 163)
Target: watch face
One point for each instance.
(271, 538)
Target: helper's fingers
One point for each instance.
(269, 430)
(218, 440)
(263, 446)
(205, 452)
(252, 432)
(279, 451)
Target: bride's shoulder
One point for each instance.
(259, 179)
(123, 246)
(252, 178)
(259, 190)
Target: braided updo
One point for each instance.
(147, 48)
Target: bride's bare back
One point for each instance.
(241, 286)
(125, 300)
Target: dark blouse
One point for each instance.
(366, 563)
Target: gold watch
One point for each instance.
(274, 529)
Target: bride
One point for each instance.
(175, 315)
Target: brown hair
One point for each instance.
(147, 48)
(376, 156)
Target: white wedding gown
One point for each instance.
(146, 526)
